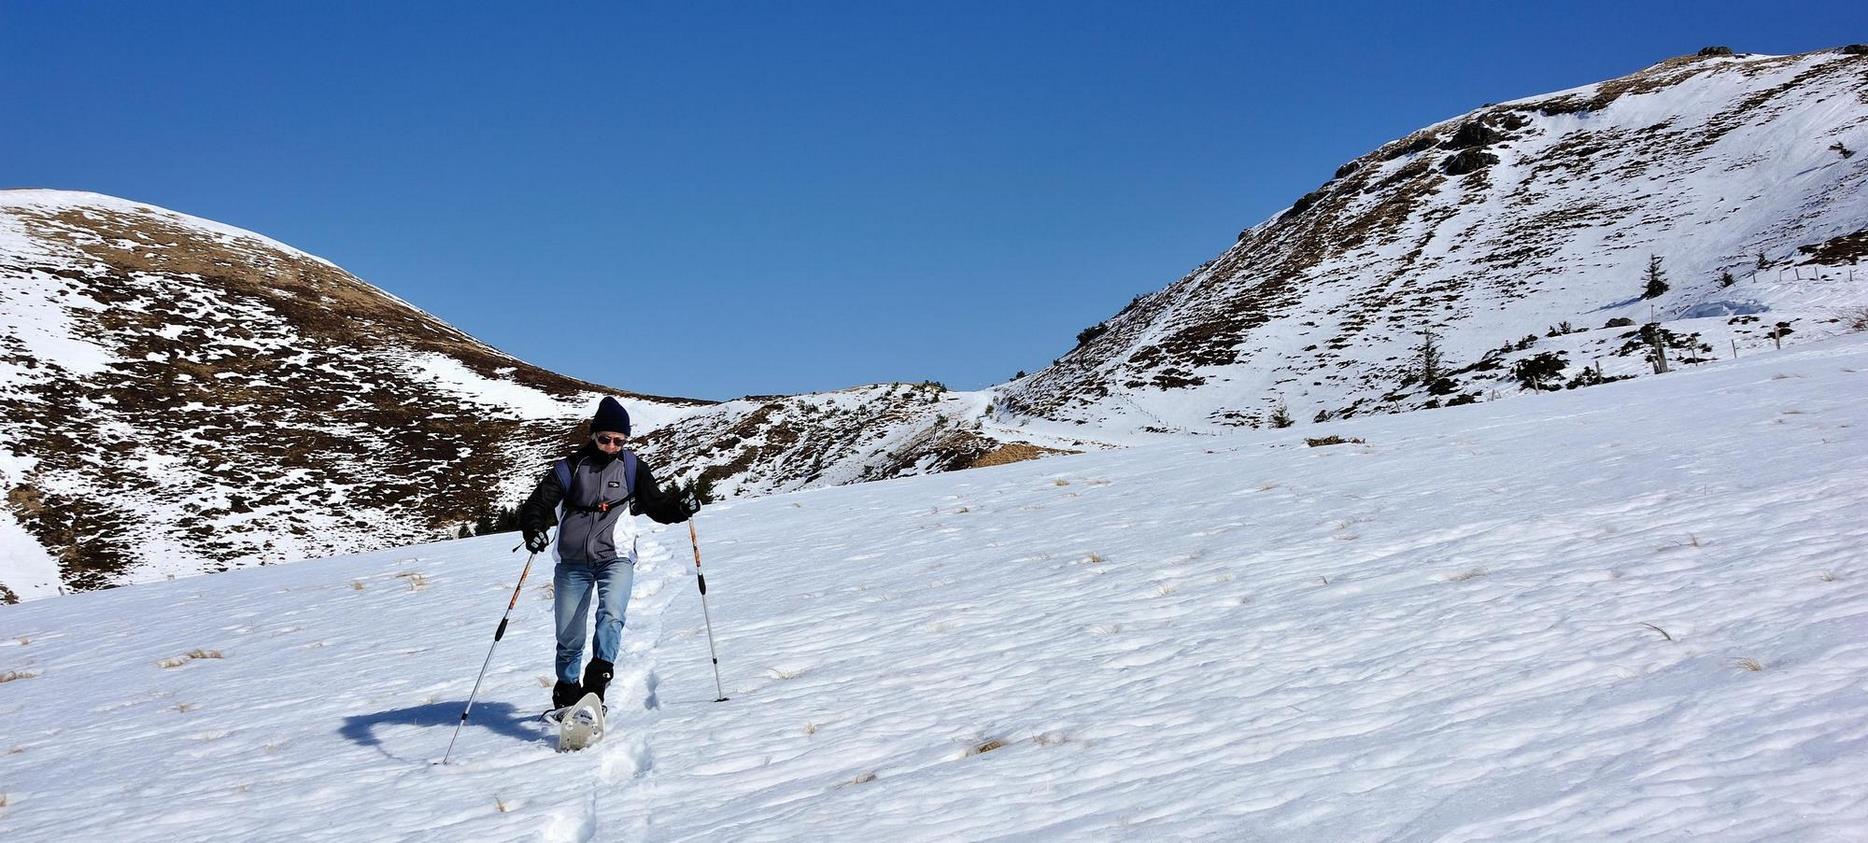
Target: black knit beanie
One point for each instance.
(611, 417)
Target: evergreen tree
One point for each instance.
(1656, 279)
(1429, 359)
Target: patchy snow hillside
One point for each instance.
(1515, 230)
(762, 445)
(1634, 611)
(177, 395)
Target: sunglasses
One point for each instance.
(609, 440)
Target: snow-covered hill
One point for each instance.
(179, 390)
(1515, 230)
(1635, 611)
(177, 395)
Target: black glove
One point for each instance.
(537, 542)
(690, 503)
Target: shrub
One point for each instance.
(1714, 51)
(1539, 371)
(1281, 415)
(1348, 168)
(1333, 440)
(1619, 322)
(1855, 50)
(1726, 279)
(1591, 376)
(1841, 150)
(1087, 334)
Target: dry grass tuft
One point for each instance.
(864, 777)
(1828, 576)
(23, 641)
(810, 728)
(1164, 589)
(187, 657)
(1856, 319)
(417, 581)
(1060, 482)
(184, 708)
(986, 746)
(1462, 576)
(1752, 665)
(1663, 633)
(14, 675)
(1094, 559)
(1051, 739)
(501, 805)
(788, 673)
(356, 585)
(1333, 440)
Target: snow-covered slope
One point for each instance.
(177, 395)
(1515, 230)
(1636, 611)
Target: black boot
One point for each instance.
(565, 694)
(597, 677)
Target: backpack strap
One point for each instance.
(562, 468)
(629, 474)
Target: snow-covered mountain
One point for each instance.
(1630, 612)
(178, 395)
(1516, 230)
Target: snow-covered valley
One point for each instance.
(1637, 610)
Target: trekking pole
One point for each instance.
(720, 695)
(497, 634)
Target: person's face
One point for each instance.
(608, 442)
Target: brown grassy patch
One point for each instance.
(1332, 440)
(15, 675)
(1752, 665)
(1012, 452)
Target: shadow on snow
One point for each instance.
(501, 718)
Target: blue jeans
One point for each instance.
(571, 585)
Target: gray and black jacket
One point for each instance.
(592, 498)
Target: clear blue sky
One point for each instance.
(782, 197)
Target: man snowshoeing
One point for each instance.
(593, 496)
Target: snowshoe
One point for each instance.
(580, 725)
